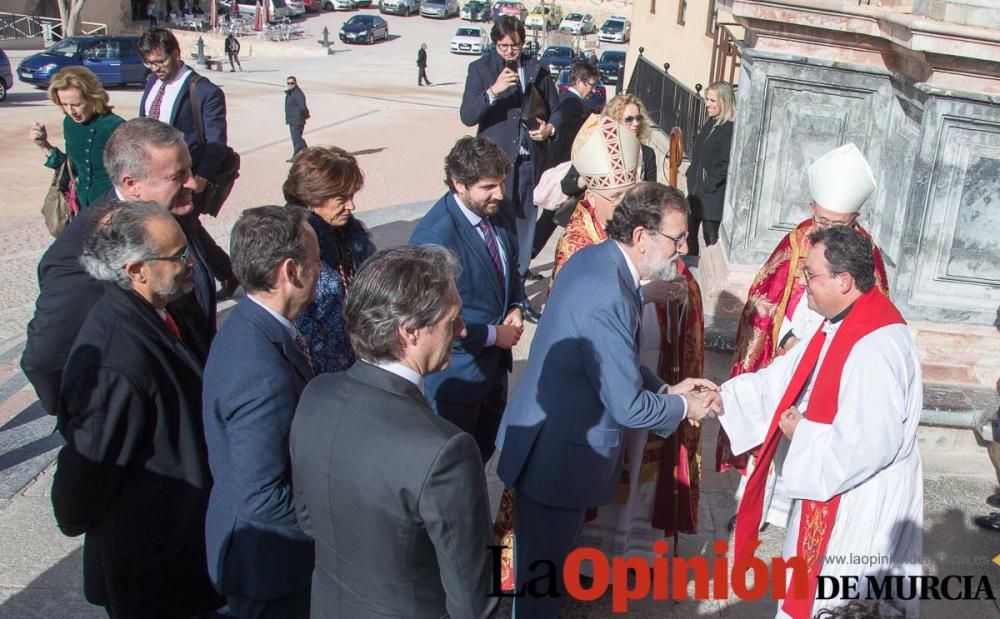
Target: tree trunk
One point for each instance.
(69, 11)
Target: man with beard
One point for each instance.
(147, 161)
(133, 476)
(560, 438)
(469, 221)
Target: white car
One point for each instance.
(469, 40)
(295, 7)
(616, 30)
(577, 23)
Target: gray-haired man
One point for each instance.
(394, 496)
(133, 476)
(147, 161)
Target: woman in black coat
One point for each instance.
(709, 169)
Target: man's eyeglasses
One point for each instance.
(676, 239)
(158, 63)
(181, 256)
(509, 47)
(592, 84)
(632, 119)
(806, 275)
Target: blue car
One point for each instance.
(113, 59)
(6, 77)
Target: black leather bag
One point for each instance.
(210, 200)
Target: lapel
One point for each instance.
(476, 244)
(624, 274)
(384, 380)
(149, 325)
(278, 335)
(182, 96)
(145, 95)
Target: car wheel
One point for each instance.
(328, 6)
(371, 38)
(3, 90)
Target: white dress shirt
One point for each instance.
(170, 95)
(474, 219)
(400, 370)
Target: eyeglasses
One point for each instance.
(632, 119)
(158, 63)
(592, 84)
(509, 46)
(823, 222)
(181, 256)
(806, 275)
(676, 239)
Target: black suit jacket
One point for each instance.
(573, 113)
(709, 169)
(134, 473)
(501, 121)
(394, 497)
(421, 57)
(205, 160)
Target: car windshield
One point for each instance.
(66, 47)
(612, 57)
(558, 52)
(574, 17)
(613, 26)
(360, 20)
(467, 32)
(279, 4)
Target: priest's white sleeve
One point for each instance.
(749, 400)
(877, 409)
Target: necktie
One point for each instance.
(490, 238)
(303, 345)
(172, 325)
(154, 107)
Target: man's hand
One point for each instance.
(664, 291)
(506, 80)
(199, 184)
(507, 336)
(698, 407)
(692, 384)
(543, 132)
(789, 421)
(514, 318)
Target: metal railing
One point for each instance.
(16, 26)
(726, 56)
(669, 103)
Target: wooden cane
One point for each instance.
(676, 154)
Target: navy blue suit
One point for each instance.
(472, 392)
(253, 379)
(560, 437)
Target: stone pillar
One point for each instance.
(919, 96)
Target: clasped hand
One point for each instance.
(704, 399)
(665, 290)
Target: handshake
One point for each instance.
(704, 399)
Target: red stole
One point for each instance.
(871, 311)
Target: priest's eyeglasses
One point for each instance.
(676, 239)
(806, 275)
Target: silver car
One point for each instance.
(440, 9)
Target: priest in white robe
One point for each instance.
(838, 418)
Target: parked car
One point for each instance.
(342, 5)
(578, 23)
(508, 7)
(469, 40)
(476, 10)
(296, 7)
(318, 5)
(557, 58)
(608, 65)
(597, 98)
(6, 75)
(440, 9)
(113, 59)
(364, 28)
(399, 7)
(615, 30)
(279, 8)
(544, 18)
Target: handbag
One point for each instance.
(60, 204)
(210, 200)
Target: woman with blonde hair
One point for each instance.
(709, 169)
(630, 111)
(88, 122)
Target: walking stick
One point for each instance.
(674, 352)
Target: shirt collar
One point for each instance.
(575, 92)
(631, 267)
(395, 367)
(292, 331)
(181, 75)
(842, 315)
(473, 218)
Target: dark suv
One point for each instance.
(113, 59)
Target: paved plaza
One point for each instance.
(366, 100)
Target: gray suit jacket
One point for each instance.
(394, 497)
(560, 437)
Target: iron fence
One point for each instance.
(669, 103)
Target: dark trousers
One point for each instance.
(295, 606)
(481, 419)
(709, 228)
(544, 228)
(297, 142)
(520, 186)
(234, 57)
(542, 532)
(422, 77)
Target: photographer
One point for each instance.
(513, 101)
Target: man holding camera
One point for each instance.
(513, 101)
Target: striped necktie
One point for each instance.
(490, 238)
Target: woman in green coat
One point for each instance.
(87, 126)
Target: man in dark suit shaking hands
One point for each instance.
(394, 495)
(498, 86)
(469, 221)
(248, 416)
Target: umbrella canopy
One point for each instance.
(267, 11)
(213, 14)
(258, 18)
